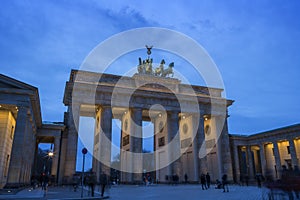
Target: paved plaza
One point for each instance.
(160, 192)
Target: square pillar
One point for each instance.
(16, 162)
(72, 141)
(54, 167)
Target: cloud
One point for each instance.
(254, 45)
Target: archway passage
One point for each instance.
(44, 158)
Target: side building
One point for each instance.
(265, 153)
(21, 130)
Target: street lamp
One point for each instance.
(50, 154)
(84, 151)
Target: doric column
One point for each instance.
(236, 162)
(293, 153)
(225, 148)
(263, 160)
(173, 143)
(136, 144)
(250, 163)
(277, 159)
(105, 138)
(216, 129)
(72, 140)
(96, 154)
(201, 151)
(54, 167)
(16, 162)
(195, 124)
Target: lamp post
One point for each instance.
(84, 151)
(50, 156)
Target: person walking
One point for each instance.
(103, 182)
(203, 181)
(258, 179)
(185, 178)
(44, 182)
(207, 180)
(225, 183)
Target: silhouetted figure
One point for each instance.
(287, 180)
(225, 183)
(91, 181)
(44, 181)
(75, 182)
(207, 180)
(185, 178)
(103, 182)
(175, 179)
(149, 179)
(258, 179)
(297, 184)
(203, 181)
(218, 184)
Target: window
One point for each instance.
(125, 140)
(288, 149)
(161, 141)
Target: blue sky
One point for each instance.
(255, 45)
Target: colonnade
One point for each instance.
(266, 157)
(175, 135)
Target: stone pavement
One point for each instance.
(132, 192)
(64, 192)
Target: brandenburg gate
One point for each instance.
(190, 123)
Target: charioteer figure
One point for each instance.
(145, 66)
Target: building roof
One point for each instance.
(10, 85)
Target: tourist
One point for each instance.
(207, 180)
(258, 179)
(103, 182)
(225, 183)
(91, 181)
(185, 178)
(203, 181)
(218, 184)
(44, 181)
(297, 182)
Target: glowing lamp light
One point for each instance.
(50, 154)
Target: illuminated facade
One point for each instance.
(22, 129)
(265, 153)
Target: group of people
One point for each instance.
(205, 181)
(90, 180)
(172, 179)
(147, 179)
